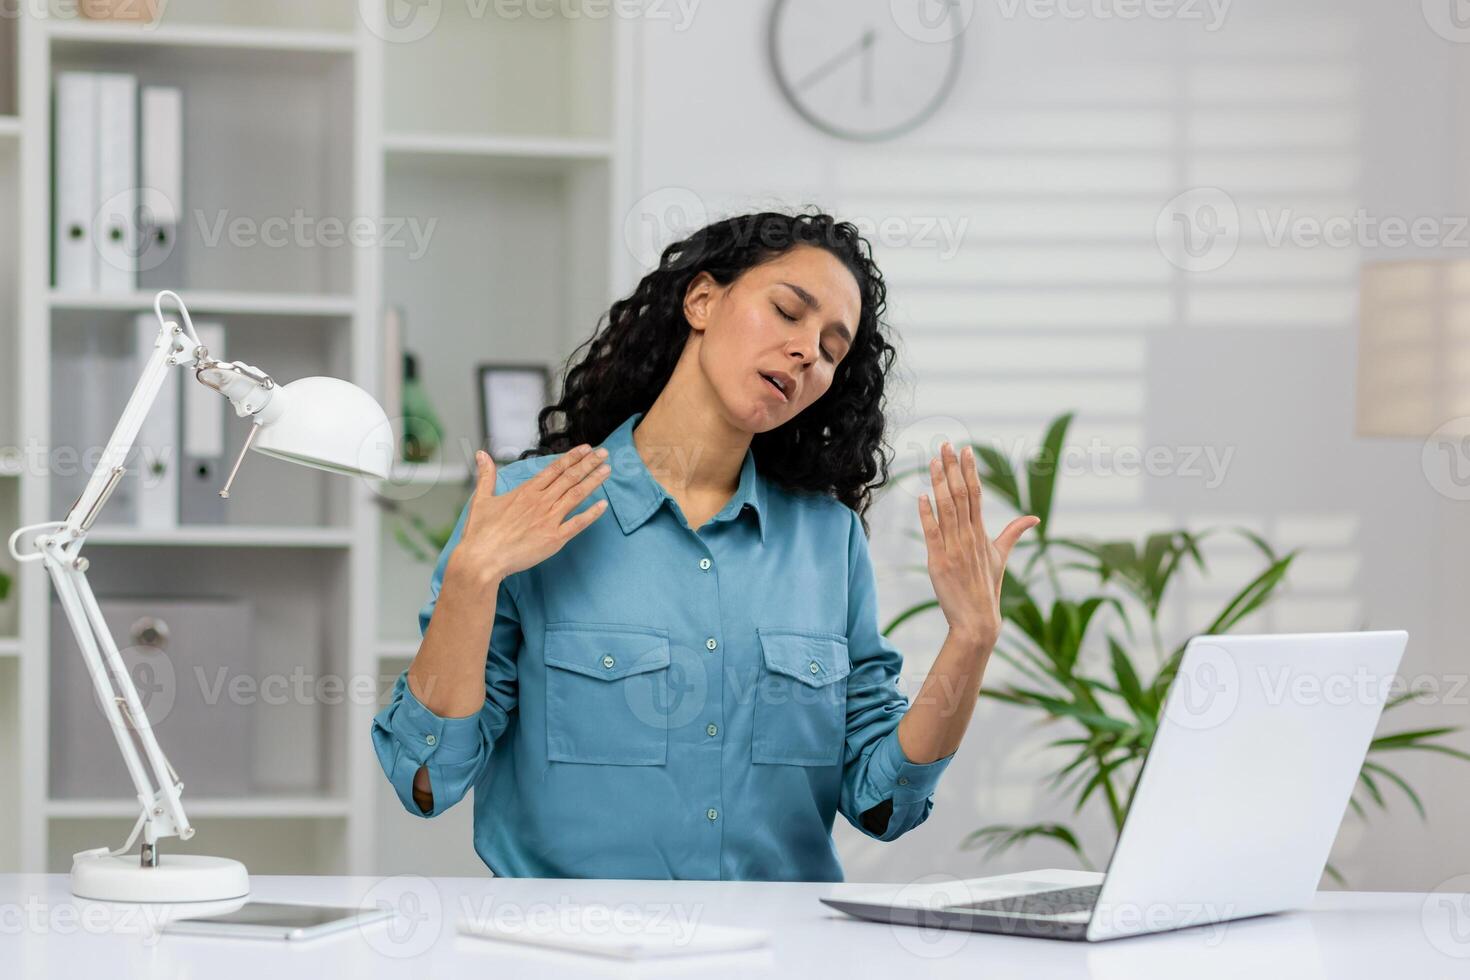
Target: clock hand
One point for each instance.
(837, 60)
(868, 39)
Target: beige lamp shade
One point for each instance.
(1414, 349)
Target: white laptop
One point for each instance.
(1240, 797)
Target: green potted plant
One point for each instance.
(1101, 680)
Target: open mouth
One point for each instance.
(775, 383)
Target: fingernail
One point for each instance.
(602, 451)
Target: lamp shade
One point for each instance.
(329, 424)
(1414, 348)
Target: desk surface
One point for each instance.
(46, 932)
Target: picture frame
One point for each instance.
(511, 397)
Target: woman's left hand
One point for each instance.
(966, 567)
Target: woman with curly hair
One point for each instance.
(694, 685)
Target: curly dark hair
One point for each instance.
(834, 446)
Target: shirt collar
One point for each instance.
(634, 494)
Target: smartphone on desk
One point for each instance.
(278, 920)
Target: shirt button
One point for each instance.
(704, 563)
(608, 661)
(712, 729)
(710, 643)
(814, 668)
(903, 780)
(712, 813)
(431, 739)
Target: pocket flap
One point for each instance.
(606, 650)
(813, 657)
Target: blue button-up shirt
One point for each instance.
(665, 702)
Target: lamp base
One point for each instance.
(176, 878)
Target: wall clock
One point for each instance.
(867, 69)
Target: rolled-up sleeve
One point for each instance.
(407, 735)
(884, 794)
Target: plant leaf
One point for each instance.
(998, 838)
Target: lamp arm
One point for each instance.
(157, 785)
(57, 544)
(170, 348)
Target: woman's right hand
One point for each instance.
(506, 533)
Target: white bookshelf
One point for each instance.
(512, 135)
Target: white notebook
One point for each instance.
(620, 931)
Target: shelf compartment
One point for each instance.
(296, 680)
(94, 372)
(268, 140)
(515, 271)
(554, 71)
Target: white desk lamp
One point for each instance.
(325, 423)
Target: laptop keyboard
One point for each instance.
(1062, 901)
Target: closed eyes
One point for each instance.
(793, 319)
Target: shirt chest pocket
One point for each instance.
(801, 697)
(606, 688)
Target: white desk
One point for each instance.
(45, 932)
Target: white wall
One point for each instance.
(1062, 144)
